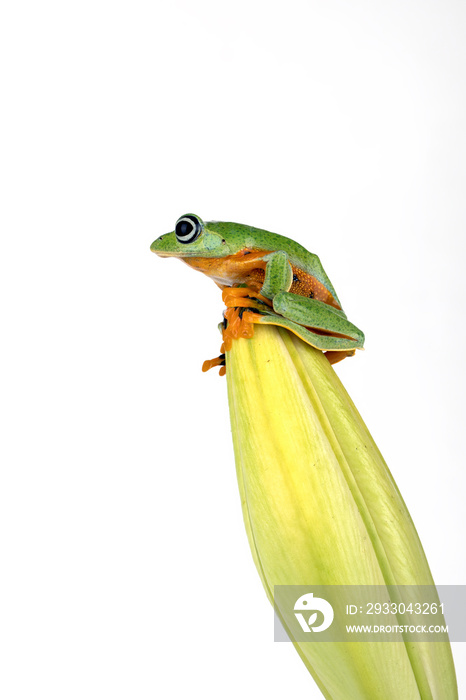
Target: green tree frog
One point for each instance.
(280, 281)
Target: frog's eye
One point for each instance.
(187, 229)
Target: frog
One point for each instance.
(265, 278)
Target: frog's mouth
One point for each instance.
(162, 253)
(174, 254)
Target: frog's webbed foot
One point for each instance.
(238, 320)
(238, 323)
(245, 307)
(242, 297)
(216, 362)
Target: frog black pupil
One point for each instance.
(184, 228)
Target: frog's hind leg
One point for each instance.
(321, 319)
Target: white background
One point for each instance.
(125, 566)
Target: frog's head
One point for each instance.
(191, 238)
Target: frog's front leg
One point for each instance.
(278, 274)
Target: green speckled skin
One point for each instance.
(220, 239)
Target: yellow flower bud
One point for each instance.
(321, 507)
